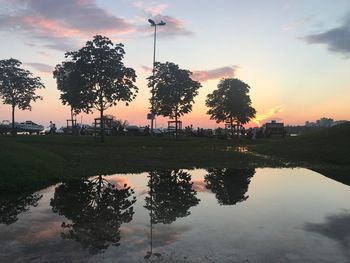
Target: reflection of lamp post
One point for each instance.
(161, 23)
(150, 253)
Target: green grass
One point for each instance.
(28, 163)
(328, 147)
(31, 162)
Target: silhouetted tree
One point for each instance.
(17, 86)
(69, 83)
(229, 185)
(230, 103)
(171, 196)
(96, 208)
(12, 206)
(174, 91)
(105, 78)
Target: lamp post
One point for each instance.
(161, 23)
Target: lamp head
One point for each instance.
(151, 22)
(162, 23)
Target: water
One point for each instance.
(215, 215)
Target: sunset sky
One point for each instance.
(295, 55)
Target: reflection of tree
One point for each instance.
(170, 196)
(229, 185)
(11, 207)
(96, 208)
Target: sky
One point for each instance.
(295, 55)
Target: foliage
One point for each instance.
(12, 206)
(174, 90)
(229, 185)
(230, 102)
(116, 123)
(96, 210)
(171, 195)
(103, 77)
(70, 83)
(17, 86)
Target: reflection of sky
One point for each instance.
(270, 224)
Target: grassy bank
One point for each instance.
(28, 163)
(328, 147)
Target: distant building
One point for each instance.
(274, 129)
(338, 122)
(324, 122)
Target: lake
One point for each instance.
(201, 215)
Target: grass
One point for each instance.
(28, 163)
(328, 147)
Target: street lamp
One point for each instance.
(161, 23)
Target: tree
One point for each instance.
(174, 91)
(171, 195)
(70, 83)
(12, 206)
(229, 185)
(230, 103)
(95, 209)
(104, 78)
(17, 86)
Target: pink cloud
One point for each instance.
(151, 9)
(205, 75)
(156, 9)
(41, 67)
(62, 24)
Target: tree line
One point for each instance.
(95, 78)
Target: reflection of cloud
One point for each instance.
(200, 186)
(119, 182)
(260, 117)
(162, 234)
(40, 67)
(37, 234)
(204, 75)
(165, 235)
(297, 23)
(336, 227)
(336, 39)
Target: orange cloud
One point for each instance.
(260, 117)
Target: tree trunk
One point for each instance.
(102, 126)
(231, 124)
(176, 123)
(13, 130)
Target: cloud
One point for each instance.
(152, 9)
(40, 67)
(269, 115)
(336, 39)
(146, 69)
(173, 27)
(61, 24)
(205, 75)
(336, 227)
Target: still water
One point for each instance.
(214, 215)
